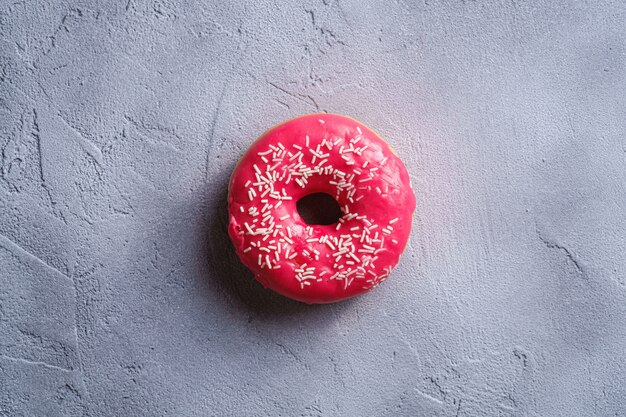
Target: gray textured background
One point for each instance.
(121, 121)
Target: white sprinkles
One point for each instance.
(272, 241)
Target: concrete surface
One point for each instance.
(120, 122)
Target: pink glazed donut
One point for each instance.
(313, 263)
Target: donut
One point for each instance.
(320, 263)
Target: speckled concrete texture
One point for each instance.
(120, 122)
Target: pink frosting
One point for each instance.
(320, 263)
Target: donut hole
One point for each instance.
(319, 209)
